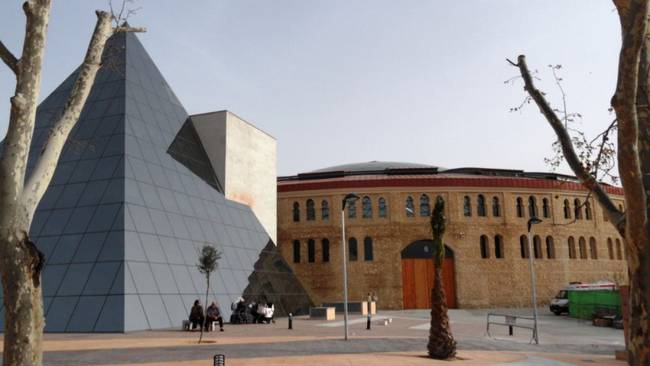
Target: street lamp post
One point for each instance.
(533, 221)
(350, 197)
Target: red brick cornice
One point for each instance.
(473, 182)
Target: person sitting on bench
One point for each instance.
(196, 315)
(214, 315)
(268, 313)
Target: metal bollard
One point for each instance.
(368, 324)
(510, 330)
(290, 321)
(219, 360)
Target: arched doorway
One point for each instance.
(418, 274)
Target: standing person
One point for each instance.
(374, 299)
(369, 302)
(213, 314)
(196, 315)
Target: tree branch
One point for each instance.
(8, 58)
(43, 171)
(588, 180)
(634, 19)
(13, 162)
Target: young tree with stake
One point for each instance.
(207, 264)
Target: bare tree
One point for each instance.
(630, 103)
(20, 260)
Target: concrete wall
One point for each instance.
(479, 282)
(244, 159)
(251, 170)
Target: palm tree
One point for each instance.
(441, 344)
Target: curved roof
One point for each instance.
(394, 174)
(373, 166)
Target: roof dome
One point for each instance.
(374, 166)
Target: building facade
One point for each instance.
(135, 197)
(486, 265)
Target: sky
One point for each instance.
(343, 81)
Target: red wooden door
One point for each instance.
(417, 282)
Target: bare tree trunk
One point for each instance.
(630, 102)
(20, 260)
(21, 265)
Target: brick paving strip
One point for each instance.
(322, 347)
(312, 343)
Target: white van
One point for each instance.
(560, 304)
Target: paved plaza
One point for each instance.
(563, 341)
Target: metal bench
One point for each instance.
(511, 321)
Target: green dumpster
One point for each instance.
(583, 304)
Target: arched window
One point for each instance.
(620, 208)
(325, 250)
(550, 248)
(582, 245)
(593, 248)
(311, 210)
(368, 254)
(296, 212)
(410, 208)
(498, 246)
(425, 208)
(523, 246)
(311, 251)
(353, 250)
(480, 206)
(325, 210)
(610, 248)
(619, 251)
(520, 207)
(467, 206)
(382, 207)
(537, 247)
(567, 209)
(578, 209)
(367, 207)
(352, 209)
(532, 207)
(546, 209)
(588, 215)
(572, 248)
(296, 251)
(496, 207)
(485, 250)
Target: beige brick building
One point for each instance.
(487, 212)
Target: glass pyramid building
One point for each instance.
(133, 200)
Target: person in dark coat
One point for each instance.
(196, 315)
(214, 315)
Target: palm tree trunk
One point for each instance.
(441, 344)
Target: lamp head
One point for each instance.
(350, 197)
(533, 221)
